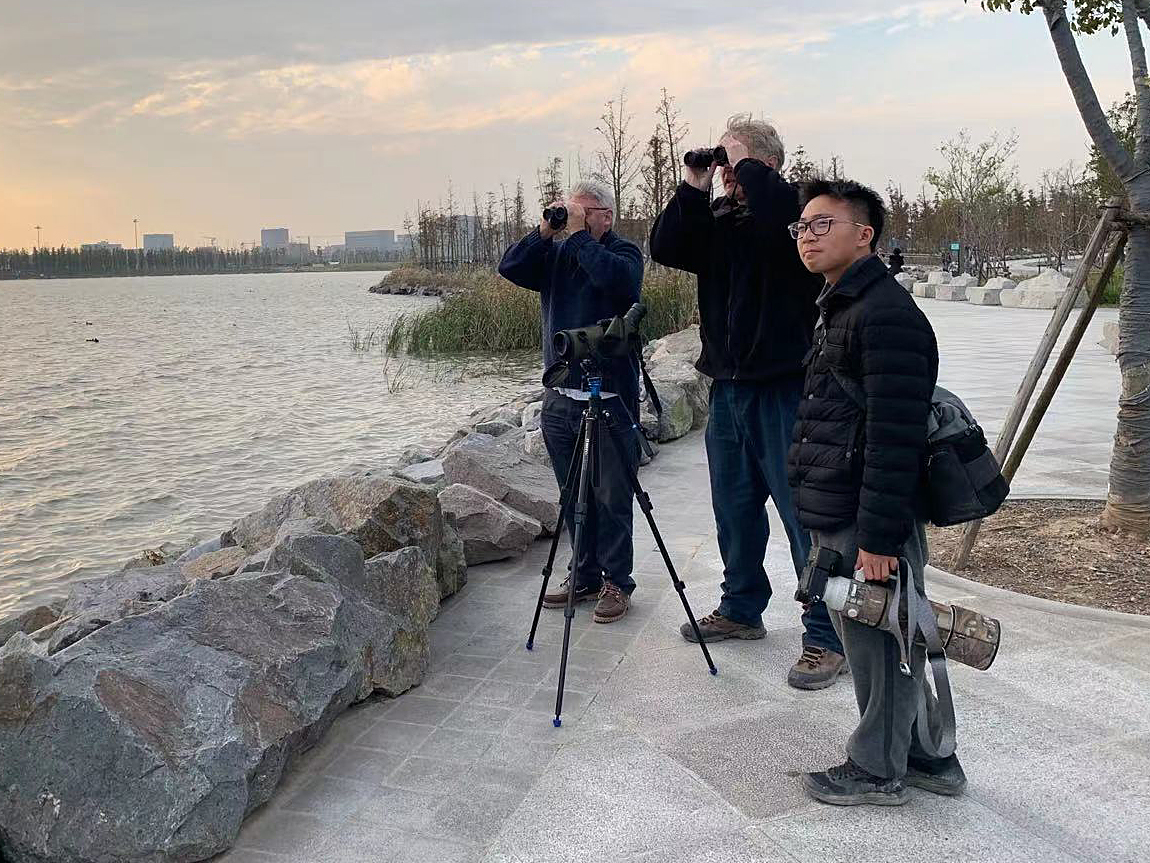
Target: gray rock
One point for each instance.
(984, 296)
(678, 416)
(684, 345)
(495, 427)
(507, 475)
(965, 280)
(414, 455)
(489, 529)
(214, 564)
(906, 280)
(254, 563)
(534, 447)
(924, 290)
(938, 277)
(451, 572)
(999, 283)
(425, 472)
(213, 544)
(381, 512)
(29, 621)
(645, 459)
(322, 557)
(93, 604)
(529, 418)
(403, 583)
(952, 293)
(155, 738)
(1109, 343)
(146, 558)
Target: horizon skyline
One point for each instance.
(199, 133)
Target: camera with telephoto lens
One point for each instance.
(611, 338)
(556, 217)
(705, 157)
(967, 636)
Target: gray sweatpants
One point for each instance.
(888, 700)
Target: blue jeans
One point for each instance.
(748, 434)
(607, 533)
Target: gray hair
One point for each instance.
(761, 138)
(596, 189)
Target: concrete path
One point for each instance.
(659, 761)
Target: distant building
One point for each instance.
(103, 244)
(275, 238)
(405, 244)
(370, 241)
(298, 252)
(158, 242)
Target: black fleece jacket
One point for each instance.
(756, 299)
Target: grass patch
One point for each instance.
(418, 277)
(1113, 289)
(487, 313)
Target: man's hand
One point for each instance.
(576, 217)
(876, 567)
(700, 178)
(736, 149)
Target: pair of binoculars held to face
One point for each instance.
(703, 158)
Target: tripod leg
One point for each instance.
(644, 500)
(582, 502)
(564, 503)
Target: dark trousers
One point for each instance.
(749, 431)
(607, 550)
(888, 700)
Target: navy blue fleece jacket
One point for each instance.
(581, 282)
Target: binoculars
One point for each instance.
(556, 217)
(705, 157)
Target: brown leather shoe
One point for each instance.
(557, 598)
(715, 627)
(817, 668)
(613, 603)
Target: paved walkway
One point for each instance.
(659, 761)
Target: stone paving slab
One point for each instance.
(659, 761)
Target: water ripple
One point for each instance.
(205, 396)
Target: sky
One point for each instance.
(221, 117)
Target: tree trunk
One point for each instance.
(1128, 500)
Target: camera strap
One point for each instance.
(920, 616)
(649, 386)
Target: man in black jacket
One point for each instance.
(857, 478)
(590, 275)
(756, 311)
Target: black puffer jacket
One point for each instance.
(756, 299)
(846, 465)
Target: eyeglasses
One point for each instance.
(593, 209)
(819, 227)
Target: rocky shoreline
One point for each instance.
(146, 715)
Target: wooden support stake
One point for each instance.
(1059, 371)
(1041, 355)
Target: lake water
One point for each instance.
(204, 397)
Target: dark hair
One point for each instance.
(864, 201)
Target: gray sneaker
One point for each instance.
(850, 785)
(939, 776)
(817, 668)
(715, 627)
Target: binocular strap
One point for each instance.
(920, 616)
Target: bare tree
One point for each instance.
(657, 182)
(1128, 499)
(672, 130)
(619, 158)
(550, 181)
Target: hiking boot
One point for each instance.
(613, 603)
(937, 775)
(558, 597)
(850, 785)
(715, 627)
(817, 668)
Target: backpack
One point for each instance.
(962, 478)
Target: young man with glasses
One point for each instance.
(756, 312)
(856, 475)
(589, 275)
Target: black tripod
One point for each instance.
(583, 475)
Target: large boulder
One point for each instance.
(95, 603)
(677, 418)
(925, 290)
(984, 296)
(489, 529)
(535, 447)
(403, 583)
(966, 280)
(507, 474)
(906, 280)
(952, 293)
(451, 567)
(381, 512)
(683, 345)
(215, 564)
(938, 277)
(154, 737)
(29, 621)
(428, 472)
